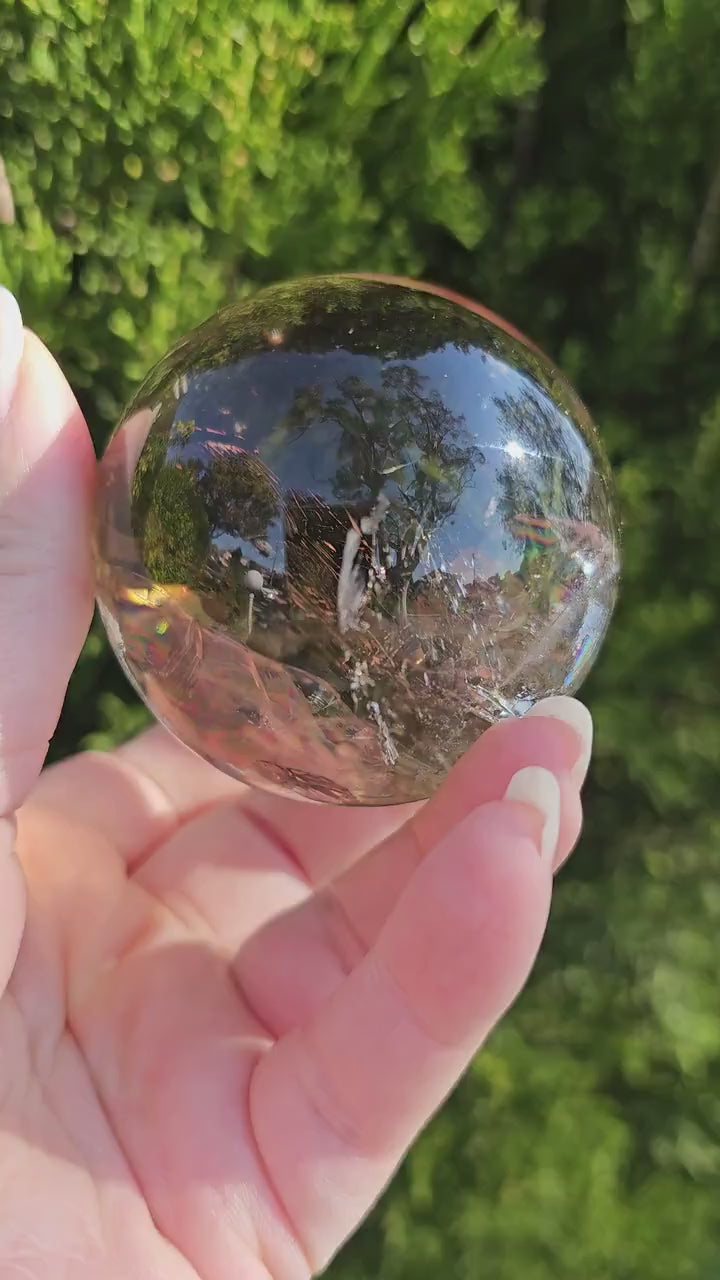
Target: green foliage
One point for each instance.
(164, 158)
(176, 531)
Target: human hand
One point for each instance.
(226, 1016)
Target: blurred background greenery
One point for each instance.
(560, 161)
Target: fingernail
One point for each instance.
(12, 340)
(577, 716)
(539, 788)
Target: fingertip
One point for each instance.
(42, 385)
(577, 717)
(484, 773)
(571, 821)
(540, 790)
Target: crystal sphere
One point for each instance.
(346, 525)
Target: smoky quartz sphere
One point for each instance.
(345, 526)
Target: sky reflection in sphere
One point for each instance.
(345, 526)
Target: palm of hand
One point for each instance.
(230, 1014)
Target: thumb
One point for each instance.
(46, 482)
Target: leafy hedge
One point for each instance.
(560, 162)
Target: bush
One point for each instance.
(558, 161)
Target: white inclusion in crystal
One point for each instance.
(254, 580)
(360, 681)
(389, 750)
(352, 582)
(371, 523)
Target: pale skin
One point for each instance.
(225, 1016)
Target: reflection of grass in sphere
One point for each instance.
(176, 532)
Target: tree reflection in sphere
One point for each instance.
(345, 526)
